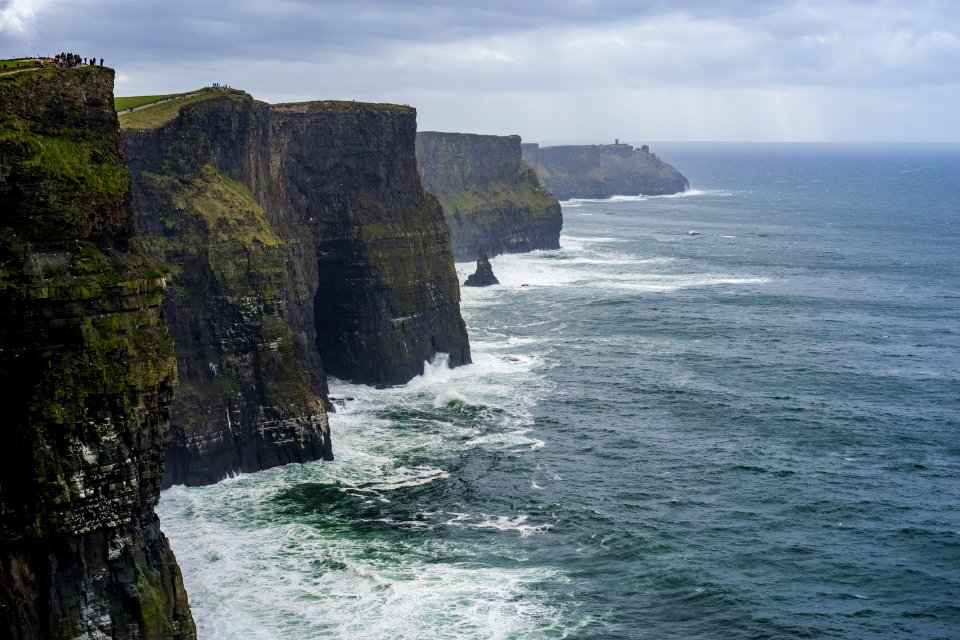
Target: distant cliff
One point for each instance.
(86, 375)
(301, 244)
(602, 171)
(492, 202)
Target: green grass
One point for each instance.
(13, 63)
(161, 113)
(231, 212)
(130, 102)
(345, 105)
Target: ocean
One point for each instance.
(731, 413)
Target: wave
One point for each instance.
(403, 477)
(582, 266)
(508, 440)
(271, 579)
(499, 523)
(574, 203)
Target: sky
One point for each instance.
(558, 70)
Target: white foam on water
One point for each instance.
(574, 203)
(499, 523)
(444, 398)
(434, 372)
(593, 267)
(668, 283)
(508, 440)
(254, 572)
(409, 477)
(270, 580)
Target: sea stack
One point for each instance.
(483, 276)
(87, 371)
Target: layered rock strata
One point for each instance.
(492, 202)
(602, 171)
(301, 244)
(87, 370)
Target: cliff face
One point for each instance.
(86, 375)
(387, 296)
(492, 202)
(301, 243)
(602, 171)
(245, 403)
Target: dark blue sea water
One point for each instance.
(733, 413)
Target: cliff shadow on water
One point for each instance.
(86, 376)
(301, 244)
(492, 202)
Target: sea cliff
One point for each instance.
(87, 370)
(301, 243)
(602, 171)
(492, 202)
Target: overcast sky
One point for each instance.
(555, 70)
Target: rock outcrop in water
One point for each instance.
(301, 244)
(86, 375)
(602, 171)
(492, 201)
(483, 276)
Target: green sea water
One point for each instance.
(732, 413)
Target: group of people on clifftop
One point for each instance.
(220, 87)
(68, 60)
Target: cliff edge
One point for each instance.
(245, 401)
(301, 243)
(87, 370)
(492, 202)
(602, 171)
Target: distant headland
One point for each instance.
(602, 170)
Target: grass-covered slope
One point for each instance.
(152, 112)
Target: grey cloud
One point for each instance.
(558, 57)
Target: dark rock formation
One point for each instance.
(86, 375)
(492, 201)
(387, 297)
(483, 276)
(301, 244)
(602, 171)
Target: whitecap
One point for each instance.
(499, 523)
(444, 398)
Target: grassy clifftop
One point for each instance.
(152, 112)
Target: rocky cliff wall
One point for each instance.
(387, 297)
(301, 244)
(602, 171)
(86, 376)
(492, 202)
(245, 401)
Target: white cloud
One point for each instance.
(18, 17)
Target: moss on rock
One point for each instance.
(86, 374)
